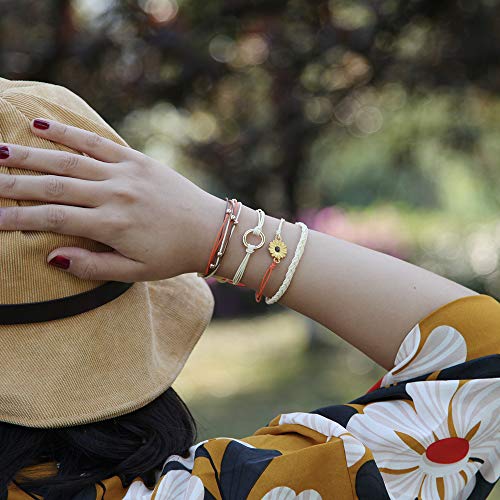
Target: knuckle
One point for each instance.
(125, 194)
(23, 154)
(55, 217)
(88, 270)
(11, 218)
(14, 216)
(8, 182)
(54, 186)
(68, 162)
(132, 170)
(62, 130)
(142, 161)
(94, 140)
(138, 158)
(118, 224)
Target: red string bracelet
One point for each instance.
(278, 249)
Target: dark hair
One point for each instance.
(130, 446)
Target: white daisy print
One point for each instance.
(433, 446)
(285, 493)
(354, 449)
(444, 347)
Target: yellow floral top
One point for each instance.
(429, 429)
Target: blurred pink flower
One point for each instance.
(383, 232)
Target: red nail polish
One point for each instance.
(59, 261)
(41, 124)
(4, 152)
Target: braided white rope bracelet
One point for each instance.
(257, 230)
(293, 265)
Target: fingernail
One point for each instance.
(41, 124)
(4, 152)
(60, 261)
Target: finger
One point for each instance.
(54, 162)
(82, 140)
(86, 222)
(87, 265)
(52, 188)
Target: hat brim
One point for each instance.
(105, 362)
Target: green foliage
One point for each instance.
(433, 151)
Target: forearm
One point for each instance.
(368, 298)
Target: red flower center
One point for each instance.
(448, 450)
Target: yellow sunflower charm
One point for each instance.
(277, 249)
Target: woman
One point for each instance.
(86, 405)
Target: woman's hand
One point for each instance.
(151, 216)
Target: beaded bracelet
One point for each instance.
(293, 265)
(278, 250)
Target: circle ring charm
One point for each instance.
(261, 234)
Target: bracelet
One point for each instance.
(220, 244)
(233, 222)
(218, 239)
(257, 230)
(278, 250)
(293, 265)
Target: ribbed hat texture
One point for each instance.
(102, 363)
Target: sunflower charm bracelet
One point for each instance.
(278, 249)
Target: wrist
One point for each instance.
(204, 230)
(260, 259)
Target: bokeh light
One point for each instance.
(161, 11)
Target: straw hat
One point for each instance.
(77, 351)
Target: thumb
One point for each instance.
(87, 265)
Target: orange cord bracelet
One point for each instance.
(220, 243)
(218, 238)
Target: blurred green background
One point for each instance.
(372, 120)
